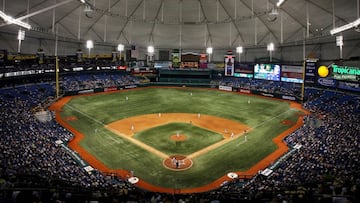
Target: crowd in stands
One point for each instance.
(34, 169)
(328, 160)
(98, 80)
(268, 86)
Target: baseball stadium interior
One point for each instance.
(297, 51)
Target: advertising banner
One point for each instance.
(346, 73)
(110, 89)
(203, 61)
(225, 88)
(175, 58)
(310, 71)
(86, 91)
(351, 86)
(246, 91)
(292, 73)
(328, 82)
(229, 65)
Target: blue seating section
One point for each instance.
(98, 80)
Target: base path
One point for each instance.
(138, 143)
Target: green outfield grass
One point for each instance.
(95, 111)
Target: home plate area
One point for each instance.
(177, 163)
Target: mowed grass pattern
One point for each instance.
(95, 111)
(196, 138)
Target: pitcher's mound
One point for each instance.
(177, 163)
(178, 138)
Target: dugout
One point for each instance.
(185, 76)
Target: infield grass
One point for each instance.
(196, 138)
(264, 116)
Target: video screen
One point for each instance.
(267, 71)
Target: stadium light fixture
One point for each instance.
(339, 41)
(270, 48)
(239, 50)
(279, 3)
(209, 51)
(340, 44)
(11, 20)
(121, 47)
(89, 45)
(150, 49)
(356, 23)
(20, 37)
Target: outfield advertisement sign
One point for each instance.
(225, 88)
(109, 89)
(267, 95)
(346, 73)
(130, 86)
(292, 98)
(349, 86)
(245, 91)
(328, 82)
(341, 77)
(86, 91)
